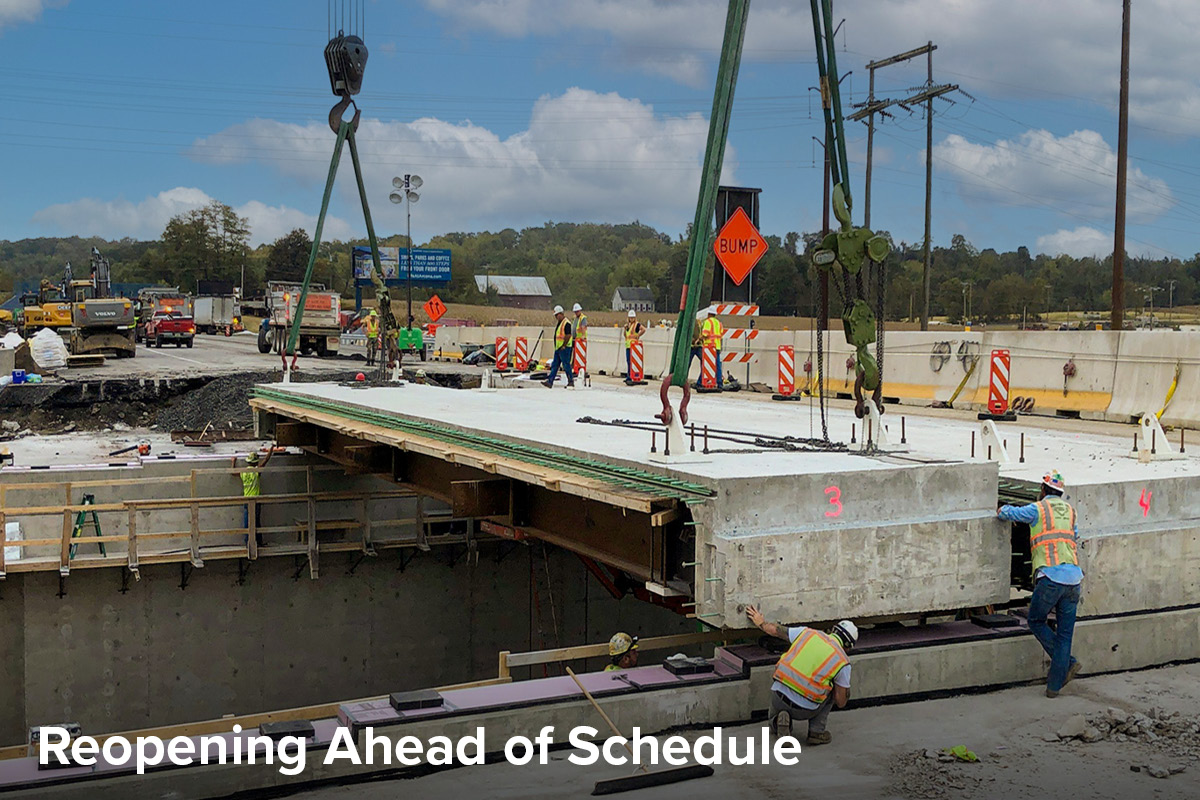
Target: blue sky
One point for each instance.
(119, 114)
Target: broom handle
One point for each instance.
(596, 706)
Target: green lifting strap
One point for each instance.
(714, 157)
(345, 134)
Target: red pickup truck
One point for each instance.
(170, 326)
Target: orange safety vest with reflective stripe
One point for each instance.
(372, 326)
(810, 664)
(1052, 538)
(712, 331)
(561, 337)
(631, 333)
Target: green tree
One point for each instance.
(288, 258)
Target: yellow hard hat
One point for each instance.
(621, 643)
(372, 313)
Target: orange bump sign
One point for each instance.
(739, 246)
(435, 308)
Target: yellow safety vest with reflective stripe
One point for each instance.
(711, 331)
(251, 484)
(810, 664)
(631, 333)
(372, 326)
(581, 328)
(1052, 537)
(561, 337)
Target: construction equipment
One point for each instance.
(218, 313)
(643, 778)
(143, 449)
(312, 314)
(83, 312)
(842, 255)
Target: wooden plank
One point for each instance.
(665, 517)
(64, 558)
(132, 546)
(295, 434)
(195, 535)
(3, 540)
(252, 528)
(653, 643)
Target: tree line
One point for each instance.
(586, 262)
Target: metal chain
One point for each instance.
(822, 313)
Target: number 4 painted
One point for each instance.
(1144, 502)
(835, 499)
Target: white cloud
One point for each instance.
(1075, 174)
(1087, 241)
(146, 219)
(1014, 48)
(1077, 243)
(584, 155)
(14, 12)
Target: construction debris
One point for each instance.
(1175, 737)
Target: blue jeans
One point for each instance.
(1057, 643)
(628, 363)
(562, 360)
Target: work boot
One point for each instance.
(781, 725)
(548, 384)
(1072, 671)
(1051, 693)
(815, 739)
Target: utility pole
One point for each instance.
(873, 107)
(1171, 301)
(1118, 282)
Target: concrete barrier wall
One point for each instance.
(1118, 375)
(1146, 368)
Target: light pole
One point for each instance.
(968, 287)
(1171, 301)
(1150, 290)
(406, 193)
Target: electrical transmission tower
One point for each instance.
(924, 94)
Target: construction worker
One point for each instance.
(711, 333)
(623, 650)
(252, 487)
(1056, 575)
(812, 676)
(371, 326)
(581, 327)
(634, 331)
(563, 342)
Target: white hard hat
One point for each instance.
(710, 310)
(632, 313)
(848, 632)
(558, 309)
(577, 307)
(702, 313)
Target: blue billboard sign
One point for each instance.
(428, 265)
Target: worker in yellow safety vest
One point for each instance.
(812, 676)
(1053, 543)
(371, 327)
(563, 342)
(623, 650)
(252, 487)
(581, 326)
(634, 331)
(711, 333)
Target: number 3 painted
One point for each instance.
(835, 499)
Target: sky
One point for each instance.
(119, 114)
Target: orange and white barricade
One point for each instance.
(579, 357)
(637, 361)
(521, 355)
(787, 369)
(708, 367)
(998, 388)
(501, 353)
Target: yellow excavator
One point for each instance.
(83, 312)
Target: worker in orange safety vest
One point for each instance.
(811, 677)
(1053, 543)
